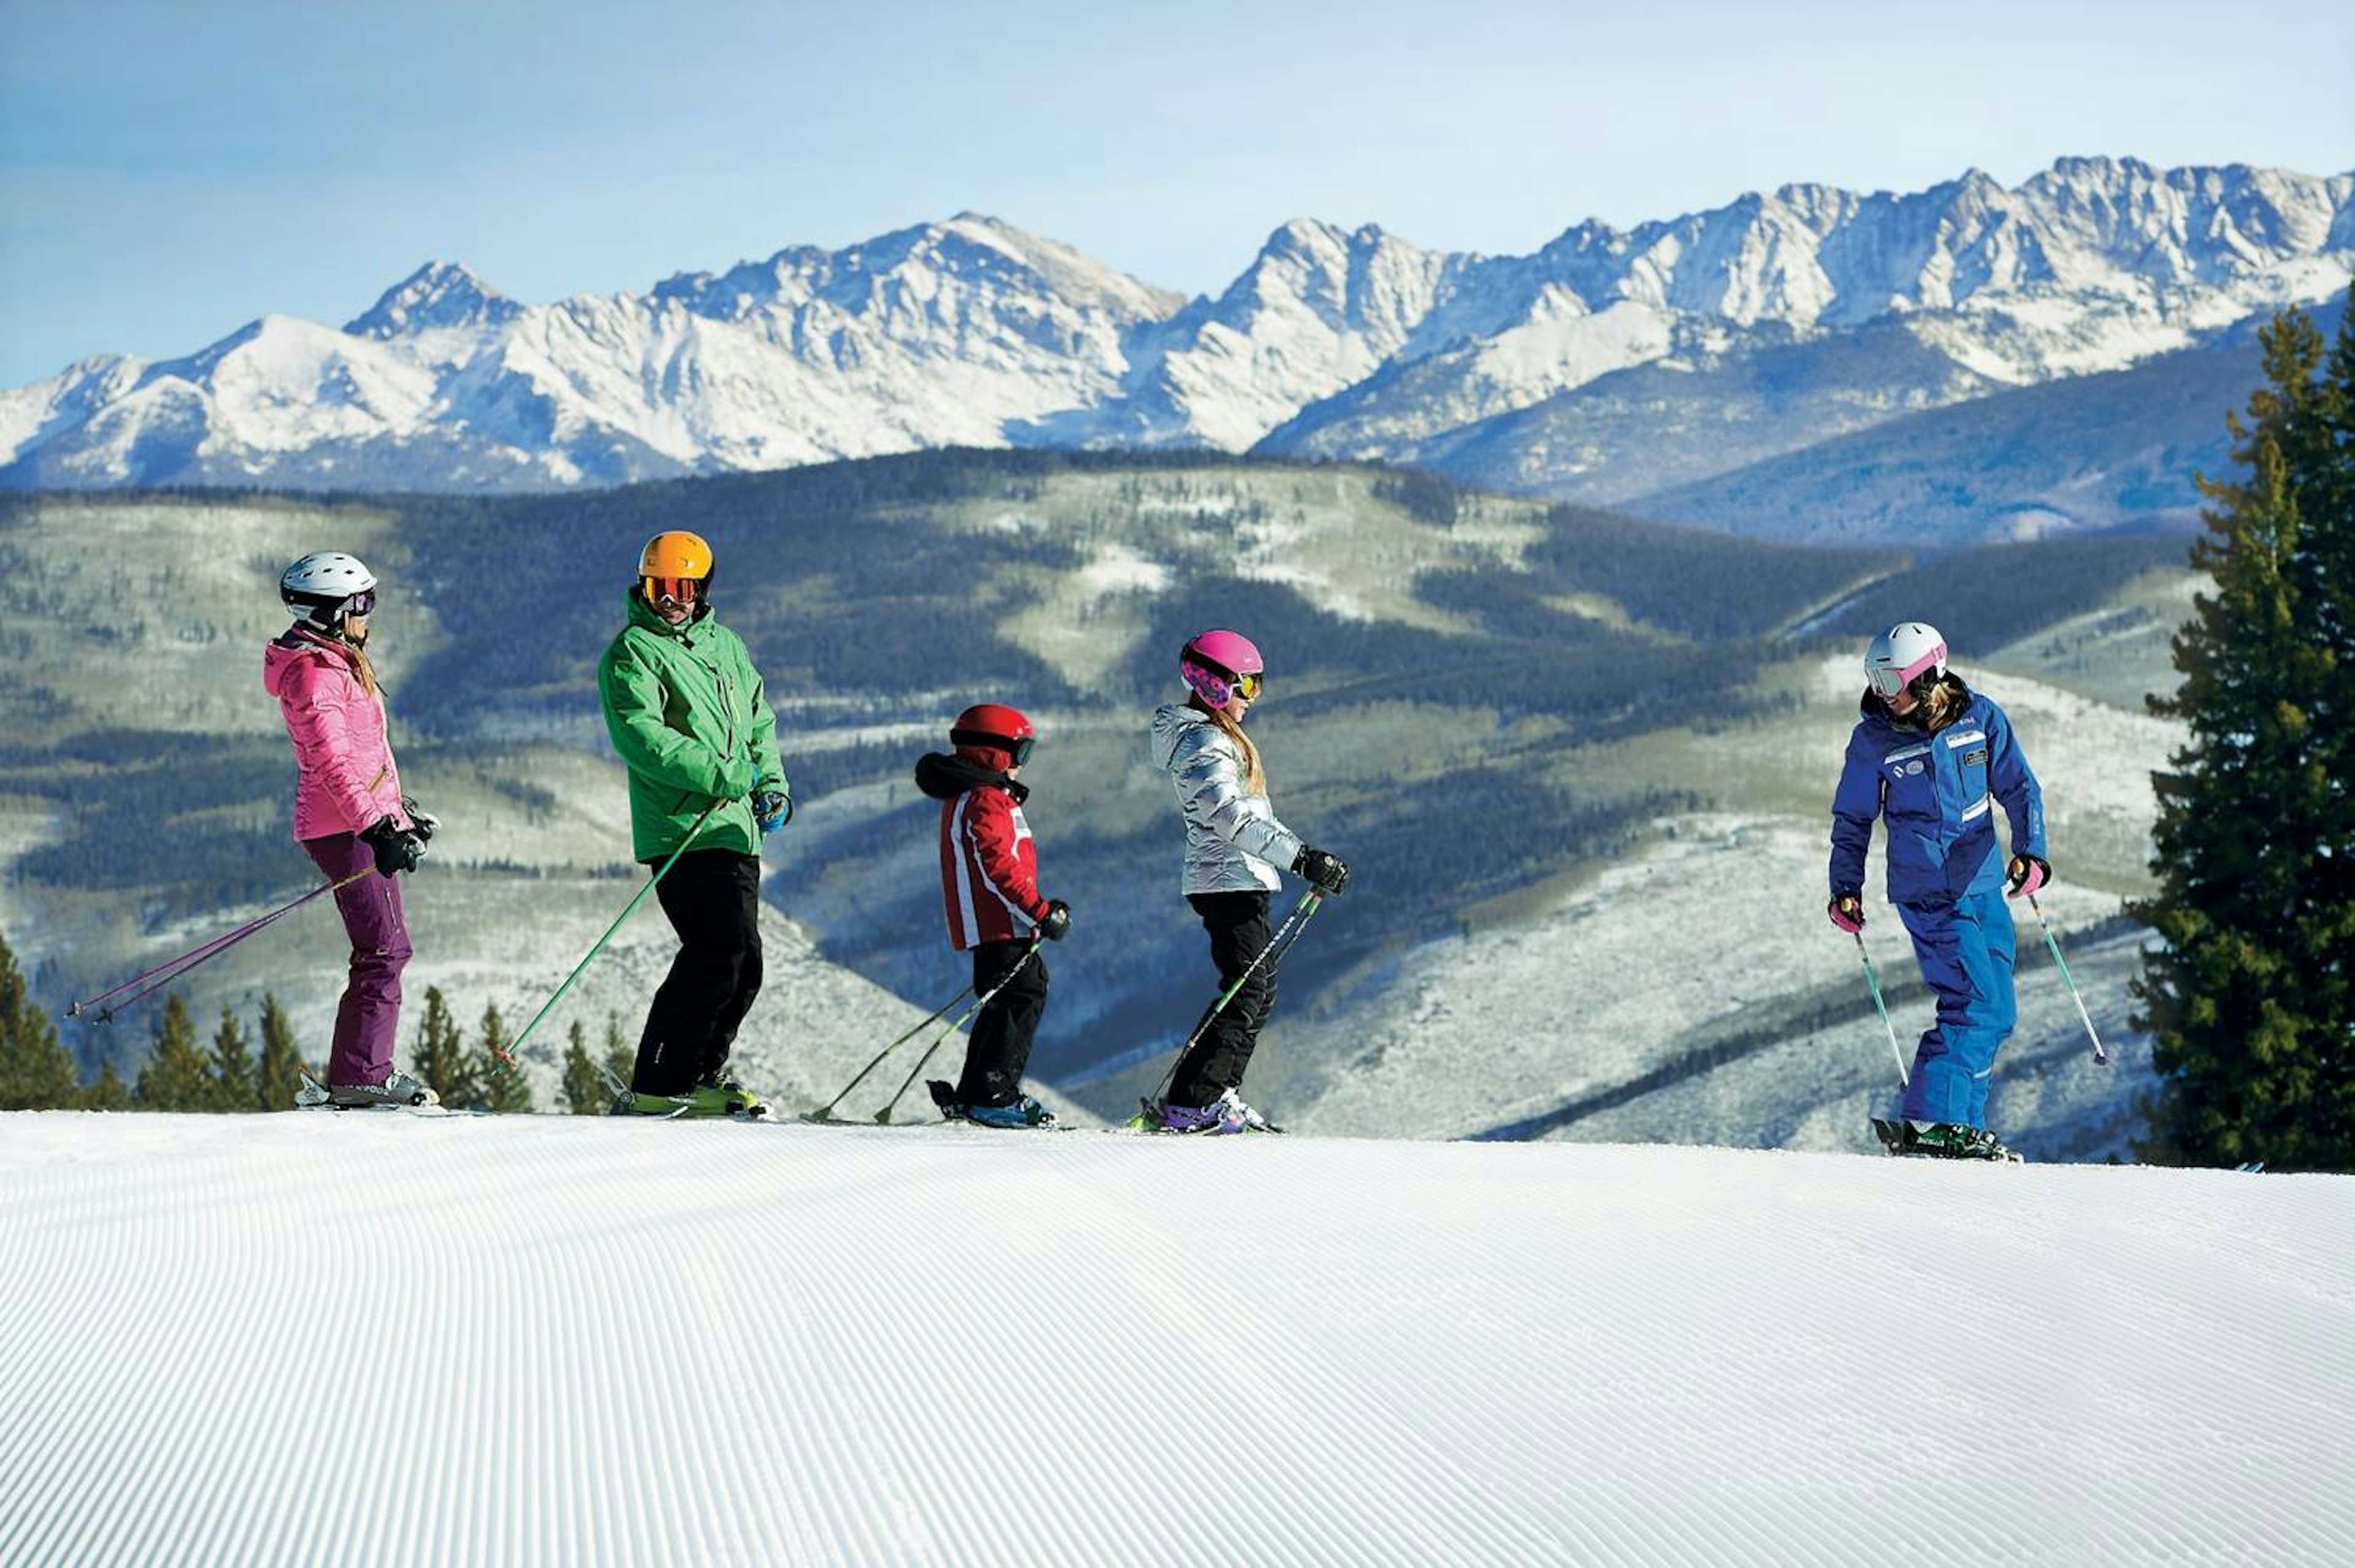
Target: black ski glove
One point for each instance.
(423, 821)
(395, 851)
(1325, 871)
(1057, 924)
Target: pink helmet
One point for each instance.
(1217, 664)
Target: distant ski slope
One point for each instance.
(389, 1339)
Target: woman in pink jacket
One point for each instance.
(349, 813)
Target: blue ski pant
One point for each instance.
(1965, 952)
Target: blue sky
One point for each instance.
(169, 172)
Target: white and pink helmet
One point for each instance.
(1218, 663)
(1902, 655)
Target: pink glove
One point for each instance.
(2026, 873)
(1847, 911)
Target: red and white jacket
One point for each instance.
(989, 864)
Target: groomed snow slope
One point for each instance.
(386, 1338)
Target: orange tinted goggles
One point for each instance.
(677, 590)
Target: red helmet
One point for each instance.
(995, 725)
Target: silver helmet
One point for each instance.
(320, 588)
(1904, 655)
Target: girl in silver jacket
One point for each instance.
(1235, 845)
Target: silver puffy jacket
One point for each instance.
(1234, 842)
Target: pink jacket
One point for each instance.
(348, 780)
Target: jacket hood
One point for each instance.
(1872, 707)
(293, 647)
(643, 614)
(946, 777)
(1171, 721)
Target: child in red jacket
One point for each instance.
(989, 882)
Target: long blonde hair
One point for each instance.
(1254, 775)
(355, 655)
(1941, 705)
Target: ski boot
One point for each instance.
(1227, 1114)
(1025, 1112)
(398, 1089)
(1949, 1140)
(1022, 1112)
(732, 1098)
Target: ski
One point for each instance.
(311, 1094)
(1148, 1121)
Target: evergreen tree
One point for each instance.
(37, 1074)
(2250, 1003)
(504, 1088)
(583, 1088)
(106, 1090)
(176, 1076)
(439, 1058)
(621, 1056)
(281, 1065)
(232, 1066)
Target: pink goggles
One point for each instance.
(1889, 682)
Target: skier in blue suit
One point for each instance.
(1937, 759)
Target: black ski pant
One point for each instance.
(1000, 1047)
(713, 899)
(1238, 926)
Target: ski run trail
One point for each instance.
(384, 1337)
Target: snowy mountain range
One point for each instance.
(1788, 318)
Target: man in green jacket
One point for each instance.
(691, 720)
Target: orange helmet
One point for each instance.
(670, 564)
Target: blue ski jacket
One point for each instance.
(1937, 789)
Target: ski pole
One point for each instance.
(2101, 1053)
(171, 969)
(826, 1112)
(883, 1116)
(1278, 945)
(1873, 980)
(510, 1055)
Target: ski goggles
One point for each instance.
(1889, 682)
(360, 604)
(677, 590)
(1017, 750)
(1248, 687)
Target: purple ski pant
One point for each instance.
(370, 1011)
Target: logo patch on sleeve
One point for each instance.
(1979, 756)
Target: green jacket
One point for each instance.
(691, 720)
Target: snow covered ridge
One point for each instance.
(972, 332)
(382, 1339)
